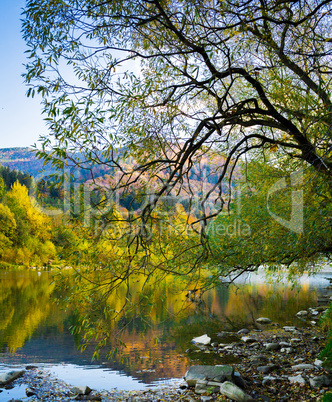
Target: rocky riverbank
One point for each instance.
(276, 364)
(273, 364)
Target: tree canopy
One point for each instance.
(169, 85)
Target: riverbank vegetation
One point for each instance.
(25, 232)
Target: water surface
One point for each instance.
(35, 330)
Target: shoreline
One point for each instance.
(271, 377)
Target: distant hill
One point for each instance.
(22, 159)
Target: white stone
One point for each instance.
(248, 339)
(272, 346)
(202, 340)
(234, 392)
(215, 373)
(303, 366)
(81, 390)
(206, 387)
(285, 344)
(296, 340)
(263, 320)
(298, 379)
(287, 350)
(288, 328)
(302, 313)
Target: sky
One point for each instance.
(21, 122)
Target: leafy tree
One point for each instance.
(31, 242)
(10, 176)
(32, 222)
(248, 236)
(231, 77)
(7, 228)
(155, 89)
(2, 188)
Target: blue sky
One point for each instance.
(21, 121)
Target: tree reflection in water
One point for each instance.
(155, 335)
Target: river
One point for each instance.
(35, 330)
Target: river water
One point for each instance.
(35, 330)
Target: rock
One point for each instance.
(81, 390)
(243, 331)
(298, 379)
(6, 378)
(285, 344)
(254, 345)
(239, 381)
(314, 312)
(267, 369)
(232, 391)
(202, 340)
(272, 346)
(303, 366)
(205, 398)
(228, 347)
(288, 328)
(264, 369)
(263, 320)
(288, 351)
(212, 373)
(270, 379)
(205, 387)
(296, 340)
(318, 362)
(248, 339)
(30, 392)
(93, 398)
(320, 381)
(259, 359)
(313, 323)
(302, 313)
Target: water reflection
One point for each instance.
(33, 329)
